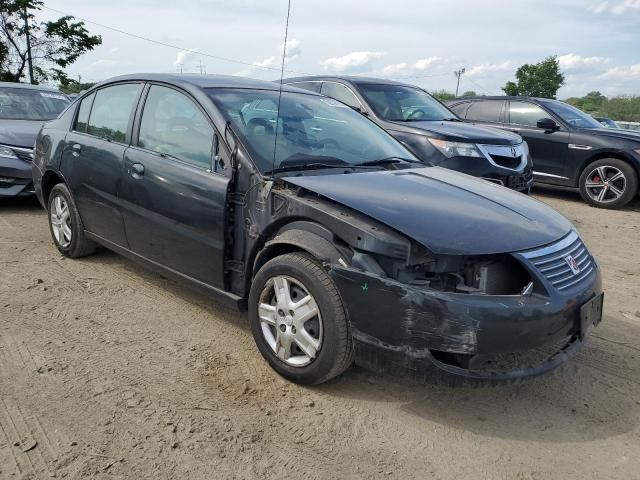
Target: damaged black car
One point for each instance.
(337, 240)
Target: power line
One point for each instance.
(169, 45)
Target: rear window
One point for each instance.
(29, 104)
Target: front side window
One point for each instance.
(173, 125)
(525, 113)
(340, 92)
(111, 111)
(485, 111)
(573, 116)
(310, 129)
(30, 104)
(400, 103)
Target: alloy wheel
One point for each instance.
(290, 321)
(605, 184)
(61, 221)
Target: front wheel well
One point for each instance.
(49, 180)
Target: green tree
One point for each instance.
(54, 45)
(470, 93)
(75, 87)
(542, 79)
(443, 95)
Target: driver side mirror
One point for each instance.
(361, 111)
(547, 124)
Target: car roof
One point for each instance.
(502, 97)
(202, 81)
(355, 80)
(28, 86)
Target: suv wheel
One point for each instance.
(608, 183)
(65, 224)
(298, 320)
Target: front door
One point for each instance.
(548, 149)
(93, 156)
(173, 197)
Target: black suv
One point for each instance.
(339, 242)
(568, 147)
(430, 130)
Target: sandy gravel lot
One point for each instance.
(109, 371)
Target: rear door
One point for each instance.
(548, 149)
(174, 192)
(487, 112)
(92, 160)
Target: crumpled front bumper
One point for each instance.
(405, 329)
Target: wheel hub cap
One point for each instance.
(290, 321)
(605, 184)
(61, 221)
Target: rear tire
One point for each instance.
(308, 351)
(65, 224)
(608, 183)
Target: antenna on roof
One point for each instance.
(284, 55)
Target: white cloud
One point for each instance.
(616, 8)
(293, 49)
(351, 62)
(113, 50)
(186, 56)
(485, 69)
(408, 68)
(577, 62)
(268, 62)
(623, 73)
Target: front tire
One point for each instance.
(608, 183)
(65, 224)
(298, 320)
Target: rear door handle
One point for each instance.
(76, 149)
(136, 170)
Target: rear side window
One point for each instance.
(340, 92)
(172, 124)
(525, 113)
(460, 109)
(311, 86)
(83, 114)
(486, 111)
(112, 110)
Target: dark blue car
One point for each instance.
(338, 241)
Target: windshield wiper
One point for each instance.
(385, 161)
(314, 166)
(451, 119)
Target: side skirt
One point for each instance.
(227, 298)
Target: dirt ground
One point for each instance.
(110, 371)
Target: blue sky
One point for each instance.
(420, 42)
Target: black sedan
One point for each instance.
(23, 110)
(569, 148)
(336, 239)
(431, 131)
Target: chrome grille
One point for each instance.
(552, 261)
(513, 157)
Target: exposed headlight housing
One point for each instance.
(456, 149)
(6, 152)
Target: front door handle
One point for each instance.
(76, 149)
(136, 170)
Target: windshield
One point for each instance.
(311, 129)
(573, 116)
(398, 103)
(30, 104)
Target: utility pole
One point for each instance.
(458, 74)
(26, 30)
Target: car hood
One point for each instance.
(446, 211)
(19, 133)
(457, 132)
(613, 132)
